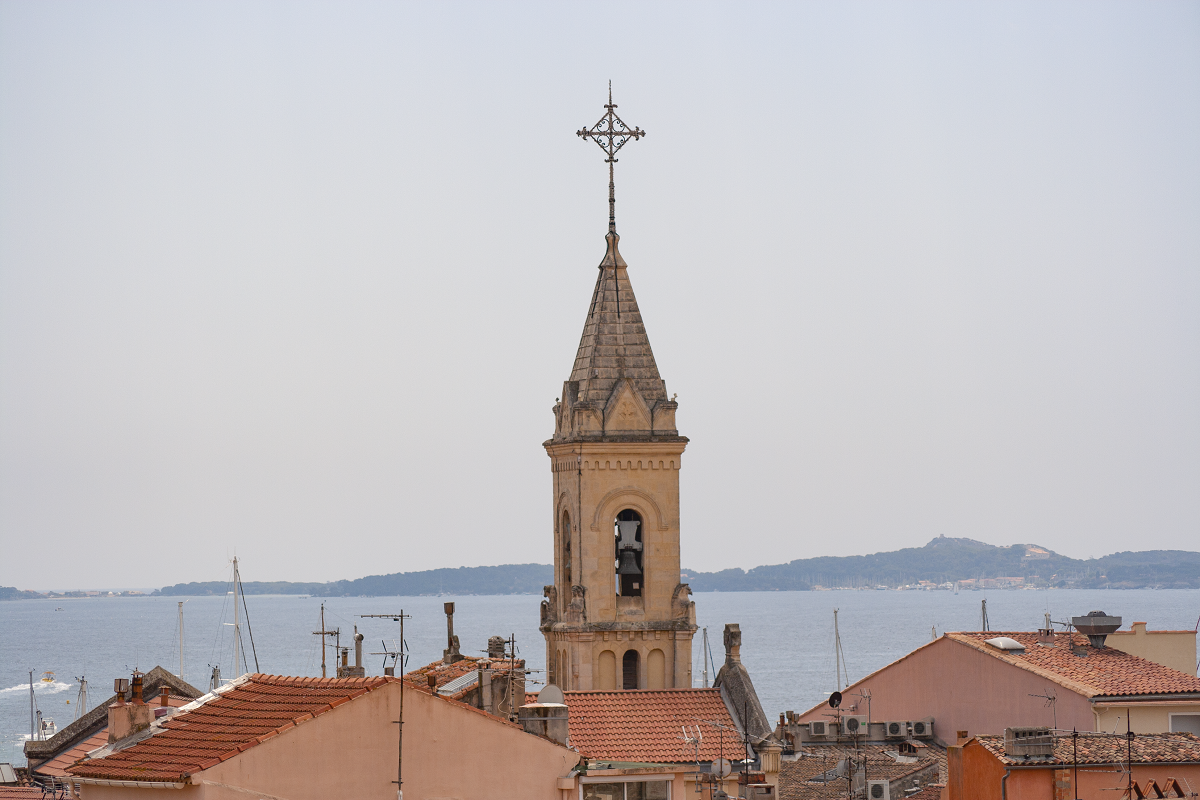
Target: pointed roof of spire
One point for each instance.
(614, 345)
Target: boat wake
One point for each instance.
(54, 687)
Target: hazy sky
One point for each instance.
(302, 281)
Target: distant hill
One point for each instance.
(9, 593)
(943, 560)
(951, 559)
(504, 579)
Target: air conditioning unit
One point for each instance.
(878, 790)
(854, 726)
(922, 728)
(818, 729)
(895, 730)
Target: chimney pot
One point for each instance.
(136, 685)
(164, 694)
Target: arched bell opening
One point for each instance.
(629, 670)
(568, 577)
(628, 537)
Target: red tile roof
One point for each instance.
(1099, 672)
(21, 793)
(1108, 748)
(647, 725)
(243, 715)
(444, 673)
(57, 767)
(802, 779)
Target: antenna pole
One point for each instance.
(704, 657)
(512, 668)
(32, 717)
(335, 632)
(401, 660)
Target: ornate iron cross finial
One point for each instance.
(611, 133)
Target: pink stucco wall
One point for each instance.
(982, 774)
(350, 751)
(962, 689)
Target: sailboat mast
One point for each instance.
(704, 657)
(839, 658)
(181, 602)
(237, 630)
(82, 700)
(32, 717)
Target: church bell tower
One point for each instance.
(617, 616)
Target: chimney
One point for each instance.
(450, 654)
(358, 640)
(733, 644)
(496, 647)
(126, 719)
(545, 719)
(1096, 626)
(164, 696)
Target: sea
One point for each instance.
(787, 637)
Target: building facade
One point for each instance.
(617, 615)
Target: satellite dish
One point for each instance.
(551, 694)
(721, 768)
(835, 699)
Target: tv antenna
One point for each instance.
(1051, 702)
(336, 632)
(401, 657)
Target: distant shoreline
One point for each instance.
(943, 564)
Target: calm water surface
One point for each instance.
(787, 637)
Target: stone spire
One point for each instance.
(614, 344)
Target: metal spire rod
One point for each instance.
(611, 133)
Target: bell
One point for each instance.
(628, 534)
(628, 564)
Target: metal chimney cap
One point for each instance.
(1096, 623)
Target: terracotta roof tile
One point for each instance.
(225, 725)
(21, 793)
(1108, 748)
(801, 779)
(57, 766)
(1099, 672)
(647, 725)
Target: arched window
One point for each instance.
(627, 533)
(629, 670)
(566, 549)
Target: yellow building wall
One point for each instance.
(1174, 649)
